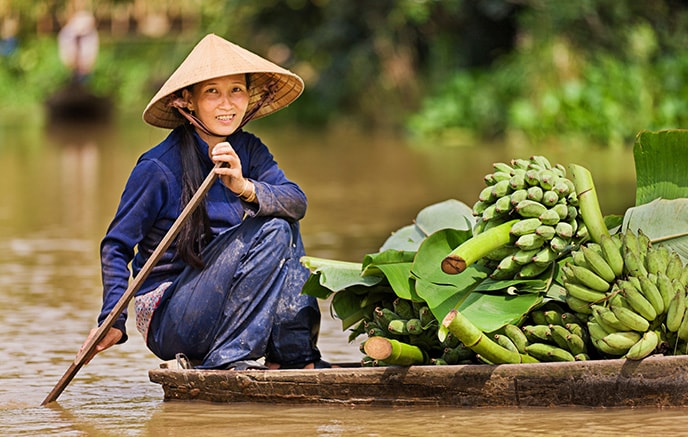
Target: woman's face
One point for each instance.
(219, 103)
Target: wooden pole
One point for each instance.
(132, 289)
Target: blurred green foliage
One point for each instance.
(596, 69)
(600, 70)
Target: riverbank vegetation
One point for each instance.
(600, 70)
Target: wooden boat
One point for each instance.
(77, 103)
(657, 381)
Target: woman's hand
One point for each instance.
(113, 336)
(231, 174)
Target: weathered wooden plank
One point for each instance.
(656, 381)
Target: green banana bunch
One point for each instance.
(549, 334)
(632, 294)
(412, 323)
(544, 199)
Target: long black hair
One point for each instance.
(195, 232)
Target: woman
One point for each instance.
(227, 292)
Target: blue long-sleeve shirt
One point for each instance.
(151, 202)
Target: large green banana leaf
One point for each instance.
(661, 211)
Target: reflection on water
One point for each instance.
(59, 189)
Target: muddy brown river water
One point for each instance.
(58, 189)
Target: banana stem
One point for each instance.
(588, 203)
(393, 352)
(477, 247)
(481, 344)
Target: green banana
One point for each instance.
(576, 344)
(564, 230)
(630, 318)
(550, 198)
(630, 242)
(525, 226)
(637, 300)
(633, 263)
(542, 161)
(674, 266)
(534, 193)
(582, 357)
(657, 259)
(532, 270)
(507, 264)
(583, 292)
(517, 336)
(505, 342)
(536, 333)
(578, 305)
(503, 167)
(503, 204)
(589, 278)
(558, 244)
(486, 195)
(523, 257)
(559, 334)
(538, 317)
(683, 279)
(651, 293)
(682, 332)
(403, 308)
(549, 217)
(397, 327)
(644, 243)
(622, 339)
(612, 255)
(545, 256)
(520, 163)
(675, 311)
(414, 326)
(596, 331)
(582, 231)
(547, 179)
(529, 242)
(666, 288)
(562, 188)
(562, 210)
(425, 315)
(530, 208)
(545, 231)
(518, 181)
(562, 172)
(576, 329)
(517, 196)
(553, 317)
(490, 213)
(608, 350)
(643, 347)
(501, 188)
(579, 259)
(548, 352)
(607, 319)
(598, 264)
(383, 316)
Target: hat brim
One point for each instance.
(215, 57)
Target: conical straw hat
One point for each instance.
(216, 57)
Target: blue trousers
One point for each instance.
(246, 303)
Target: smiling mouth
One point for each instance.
(225, 117)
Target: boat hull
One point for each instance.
(656, 381)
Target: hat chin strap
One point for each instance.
(180, 104)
